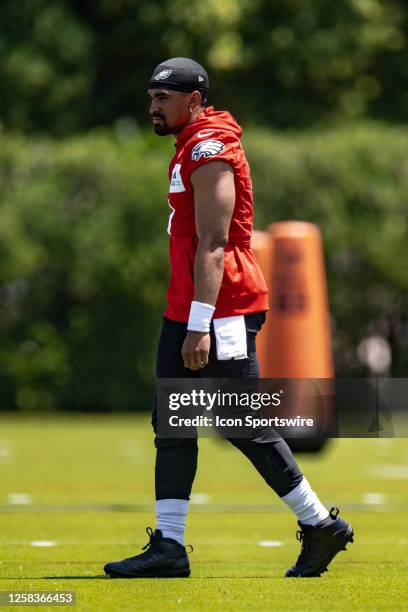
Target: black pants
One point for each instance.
(176, 458)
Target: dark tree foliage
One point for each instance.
(74, 64)
(47, 67)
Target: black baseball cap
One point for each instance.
(180, 74)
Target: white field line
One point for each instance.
(200, 498)
(390, 471)
(19, 498)
(270, 543)
(373, 498)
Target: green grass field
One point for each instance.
(85, 485)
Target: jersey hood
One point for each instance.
(209, 121)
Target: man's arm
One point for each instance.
(214, 201)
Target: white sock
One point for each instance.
(171, 517)
(305, 504)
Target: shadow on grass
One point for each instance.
(169, 578)
(97, 577)
(135, 580)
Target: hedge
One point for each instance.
(83, 253)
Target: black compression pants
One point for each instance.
(176, 458)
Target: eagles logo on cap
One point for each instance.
(180, 74)
(163, 74)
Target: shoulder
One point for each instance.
(209, 145)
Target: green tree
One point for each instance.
(74, 64)
(47, 67)
(83, 253)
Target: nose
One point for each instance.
(153, 107)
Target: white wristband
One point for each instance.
(200, 317)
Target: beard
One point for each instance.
(161, 129)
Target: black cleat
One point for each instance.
(320, 544)
(164, 558)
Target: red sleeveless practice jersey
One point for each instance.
(215, 135)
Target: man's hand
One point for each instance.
(195, 350)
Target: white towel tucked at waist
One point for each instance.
(230, 335)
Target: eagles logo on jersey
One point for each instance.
(207, 148)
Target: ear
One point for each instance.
(195, 100)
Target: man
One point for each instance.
(216, 303)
